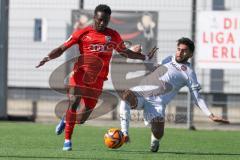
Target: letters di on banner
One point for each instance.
(218, 40)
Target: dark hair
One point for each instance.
(187, 42)
(103, 8)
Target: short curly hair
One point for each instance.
(187, 42)
(103, 8)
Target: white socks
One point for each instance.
(124, 116)
(154, 139)
(67, 140)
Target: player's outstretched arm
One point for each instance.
(218, 119)
(202, 105)
(52, 55)
(135, 54)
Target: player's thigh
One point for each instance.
(74, 99)
(152, 110)
(124, 105)
(83, 88)
(83, 113)
(132, 99)
(83, 100)
(89, 103)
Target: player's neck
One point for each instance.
(181, 62)
(94, 27)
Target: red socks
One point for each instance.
(70, 123)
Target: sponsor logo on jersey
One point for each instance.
(101, 47)
(108, 38)
(183, 67)
(97, 48)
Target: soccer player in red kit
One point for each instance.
(96, 44)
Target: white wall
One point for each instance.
(24, 53)
(174, 22)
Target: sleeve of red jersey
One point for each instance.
(73, 39)
(120, 43)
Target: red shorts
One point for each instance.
(88, 87)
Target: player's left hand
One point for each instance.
(151, 53)
(136, 48)
(218, 119)
(43, 61)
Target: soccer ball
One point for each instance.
(114, 138)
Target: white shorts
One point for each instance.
(151, 107)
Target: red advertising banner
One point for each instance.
(218, 40)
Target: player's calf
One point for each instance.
(157, 127)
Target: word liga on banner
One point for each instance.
(218, 40)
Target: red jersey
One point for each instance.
(95, 49)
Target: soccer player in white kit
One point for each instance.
(158, 88)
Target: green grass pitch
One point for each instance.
(38, 141)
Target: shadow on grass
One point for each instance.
(201, 153)
(178, 153)
(60, 157)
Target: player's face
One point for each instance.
(101, 20)
(183, 53)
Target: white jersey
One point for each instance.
(159, 87)
(167, 79)
(178, 75)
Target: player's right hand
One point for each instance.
(218, 119)
(136, 48)
(43, 61)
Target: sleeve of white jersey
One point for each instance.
(194, 88)
(166, 60)
(200, 102)
(192, 82)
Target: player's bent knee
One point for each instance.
(158, 120)
(130, 98)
